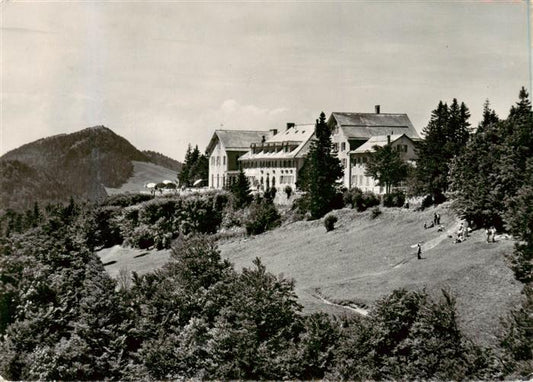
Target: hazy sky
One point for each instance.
(165, 74)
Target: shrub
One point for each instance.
(359, 199)
(329, 222)
(375, 212)
(369, 199)
(160, 220)
(270, 194)
(105, 231)
(427, 202)
(263, 216)
(350, 196)
(394, 199)
(337, 202)
(288, 191)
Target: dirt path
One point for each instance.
(351, 307)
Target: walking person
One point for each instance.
(438, 219)
(488, 232)
(419, 251)
(435, 219)
(493, 233)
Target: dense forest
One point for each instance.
(63, 317)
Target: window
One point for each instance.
(218, 161)
(360, 180)
(343, 146)
(212, 161)
(343, 162)
(335, 147)
(224, 160)
(405, 148)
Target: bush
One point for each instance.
(263, 216)
(394, 199)
(350, 196)
(288, 191)
(369, 199)
(427, 202)
(338, 201)
(159, 221)
(375, 212)
(360, 200)
(270, 194)
(329, 222)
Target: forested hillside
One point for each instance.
(80, 164)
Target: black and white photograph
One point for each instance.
(266, 190)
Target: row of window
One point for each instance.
(360, 180)
(215, 161)
(268, 163)
(336, 146)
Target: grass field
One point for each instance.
(364, 259)
(143, 173)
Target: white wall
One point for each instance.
(218, 164)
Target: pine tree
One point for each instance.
(195, 167)
(489, 117)
(322, 170)
(445, 137)
(241, 191)
(183, 176)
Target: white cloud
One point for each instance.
(236, 115)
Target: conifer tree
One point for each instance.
(183, 176)
(322, 170)
(195, 167)
(241, 191)
(444, 138)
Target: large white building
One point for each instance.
(224, 150)
(359, 157)
(272, 158)
(275, 161)
(351, 130)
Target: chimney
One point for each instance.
(273, 132)
(263, 139)
(388, 139)
(290, 124)
(377, 109)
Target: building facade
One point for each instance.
(224, 150)
(351, 130)
(358, 157)
(276, 161)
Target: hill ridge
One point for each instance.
(79, 164)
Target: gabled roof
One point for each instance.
(299, 135)
(366, 125)
(377, 140)
(236, 140)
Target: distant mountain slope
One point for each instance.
(19, 183)
(80, 164)
(163, 160)
(143, 173)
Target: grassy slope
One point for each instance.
(143, 173)
(364, 259)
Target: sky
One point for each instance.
(166, 74)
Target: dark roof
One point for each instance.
(237, 139)
(366, 125)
